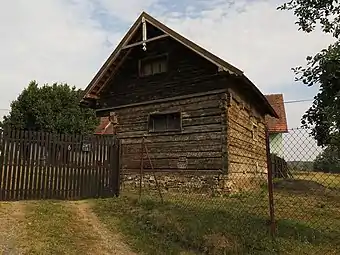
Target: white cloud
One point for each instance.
(253, 36)
(47, 41)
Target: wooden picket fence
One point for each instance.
(279, 167)
(41, 165)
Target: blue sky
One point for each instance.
(68, 40)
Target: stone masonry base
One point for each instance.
(213, 184)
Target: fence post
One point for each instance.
(117, 158)
(270, 187)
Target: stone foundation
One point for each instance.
(213, 184)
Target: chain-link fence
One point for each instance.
(307, 201)
(239, 212)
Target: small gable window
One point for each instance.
(165, 122)
(152, 66)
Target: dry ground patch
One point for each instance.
(55, 227)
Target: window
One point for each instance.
(151, 66)
(165, 122)
(254, 132)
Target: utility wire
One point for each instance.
(298, 101)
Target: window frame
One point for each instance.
(166, 130)
(150, 58)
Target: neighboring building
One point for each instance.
(277, 126)
(105, 127)
(199, 115)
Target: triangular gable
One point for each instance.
(122, 50)
(277, 125)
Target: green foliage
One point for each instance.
(309, 13)
(323, 116)
(328, 161)
(323, 69)
(52, 108)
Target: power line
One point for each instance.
(298, 101)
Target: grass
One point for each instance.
(238, 224)
(327, 179)
(53, 228)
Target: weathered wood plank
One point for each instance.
(141, 118)
(96, 173)
(245, 160)
(195, 103)
(189, 146)
(33, 167)
(172, 138)
(12, 168)
(176, 155)
(55, 165)
(2, 148)
(205, 120)
(170, 108)
(247, 122)
(16, 168)
(256, 154)
(39, 163)
(6, 153)
(185, 130)
(198, 163)
(187, 123)
(236, 133)
(45, 169)
(21, 172)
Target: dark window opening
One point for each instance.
(151, 66)
(165, 122)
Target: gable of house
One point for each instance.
(277, 125)
(147, 36)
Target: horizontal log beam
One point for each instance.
(148, 40)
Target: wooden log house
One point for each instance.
(201, 118)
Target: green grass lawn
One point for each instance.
(327, 179)
(238, 224)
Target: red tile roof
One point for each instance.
(277, 125)
(104, 127)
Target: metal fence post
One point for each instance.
(270, 187)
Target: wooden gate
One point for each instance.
(40, 165)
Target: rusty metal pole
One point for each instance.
(141, 168)
(270, 187)
(154, 175)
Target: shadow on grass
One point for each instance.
(174, 228)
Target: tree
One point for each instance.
(312, 12)
(52, 108)
(328, 161)
(323, 117)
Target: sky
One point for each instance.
(68, 41)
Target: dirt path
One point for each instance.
(108, 242)
(11, 229)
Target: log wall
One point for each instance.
(247, 159)
(197, 147)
